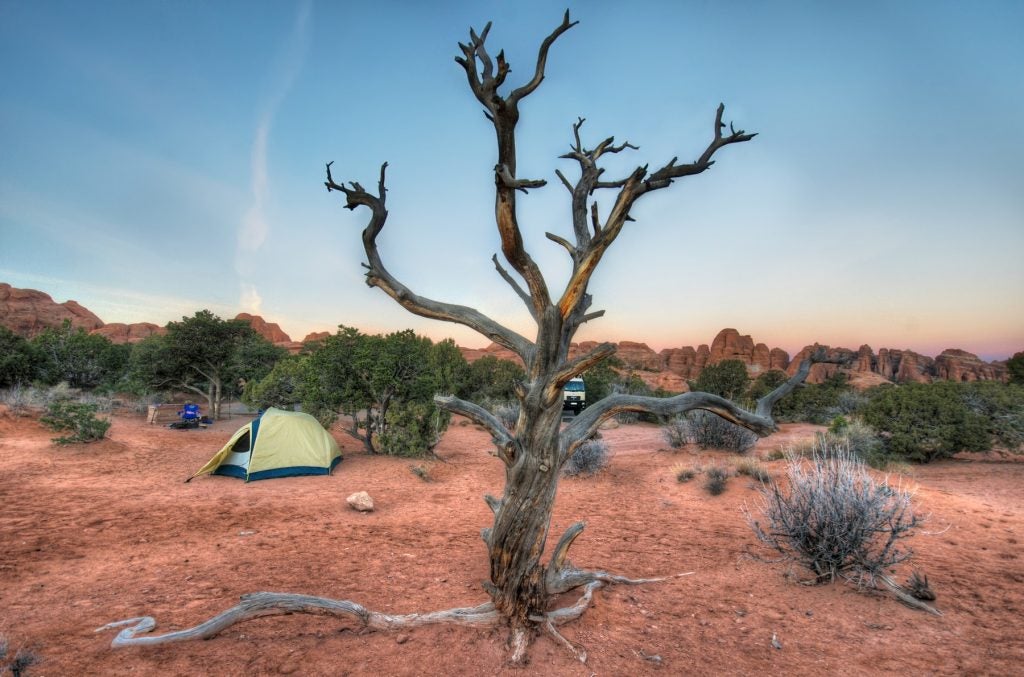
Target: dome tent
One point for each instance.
(277, 444)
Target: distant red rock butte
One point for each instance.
(27, 312)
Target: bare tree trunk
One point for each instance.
(521, 523)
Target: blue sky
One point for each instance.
(161, 157)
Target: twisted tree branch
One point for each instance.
(378, 275)
(503, 440)
(260, 604)
(515, 286)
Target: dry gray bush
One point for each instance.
(716, 478)
(832, 517)
(589, 458)
(708, 431)
(676, 431)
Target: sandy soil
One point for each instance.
(92, 534)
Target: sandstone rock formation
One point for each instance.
(730, 345)
(866, 369)
(959, 365)
(118, 332)
(27, 312)
(268, 330)
(316, 336)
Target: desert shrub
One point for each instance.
(17, 398)
(490, 378)
(816, 403)
(833, 518)
(601, 378)
(923, 422)
(727, 379)
(18, 360)
(764, 384)
(413, 429)
(776, 454)
(676, 432)
(683, 473)
(77, 357)
(77, 417)
(856, 436)
(589, 458)
(752, 469)
(864, 442)
(1002, 407)
(715, 479)
(838, 425)
(1015, 367)
(22, 660)
(281, 387)
(421, 471)
(709, 431)
(851, 401)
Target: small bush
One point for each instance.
(421, 471)
(817, 403)
(710, 431)
(589, 458)
(857, 437)
(683, 473)
(22, 660)
(676, 432)
(77, 417)
(838, 425)
(924, 422)
(752, 469)
(1002, 406)
(727, 379)
(833, 518)
(715, 480)
(864, 442)
(413, 429)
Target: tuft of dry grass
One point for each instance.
(422, 472)
(752, 469)
(716, 477)
(683, 473)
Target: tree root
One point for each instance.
(561, 577)
(259, 604)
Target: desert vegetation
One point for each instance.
(521, 588)
(397, 393)
(833, 518)
(77, 418)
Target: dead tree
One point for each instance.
(521, 585)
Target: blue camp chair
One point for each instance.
(190, 412)
(190, 417)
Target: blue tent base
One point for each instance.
(294, 471)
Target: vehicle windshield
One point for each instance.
(575, 386)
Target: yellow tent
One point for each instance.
(277, 444)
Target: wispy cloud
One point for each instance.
(255, 226)
(251, 301)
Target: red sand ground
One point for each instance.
(97, 533)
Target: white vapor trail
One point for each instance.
(254, 227)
